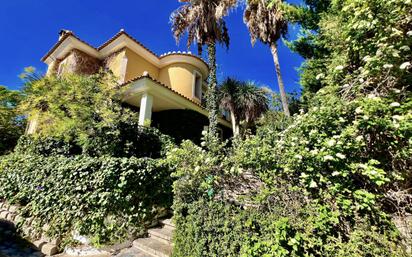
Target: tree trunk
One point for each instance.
(211, 103)
(283, 97)
(234, 124)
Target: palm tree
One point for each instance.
(245, 101)
(203, 22)
(265, 21)
(228, 94)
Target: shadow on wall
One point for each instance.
(12, 244)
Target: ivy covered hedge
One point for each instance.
(105, 198)
(89, 167)
(130, 140)
(333, 179)
(216, 228)
(326, 185)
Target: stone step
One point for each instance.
(163, 234)
(153, 246)
(168, 223)
(132, 252)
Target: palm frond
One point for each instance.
(203, 21)
(265, 20)
(246, 100)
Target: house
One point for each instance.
(168, 90)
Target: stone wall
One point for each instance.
(78, 62)
(46, 245)
(404, 225)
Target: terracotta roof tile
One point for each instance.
(161, 84)
(61, 40)
(122, 32)
(108, 42)
(186, 54)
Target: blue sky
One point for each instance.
(29, 28)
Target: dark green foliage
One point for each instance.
(131, 141)
(332, 179)
(207, 228)
(246, 101)
(46, 146)
(12, 124)
(89, 167)
(326, 183)
(105, 198)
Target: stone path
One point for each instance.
(158, 244)
(13, 245)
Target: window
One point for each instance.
(197, 85)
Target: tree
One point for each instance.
(267, 23)
(11, 122)
(245, 101)
(77, 108)
(203, 21)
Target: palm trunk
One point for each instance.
(235, 127)
(211, 103)
(283, 97)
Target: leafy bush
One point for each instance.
(214, 228)
(131, 141)
(360, 45)
(11, 122)
(80, 170)
(105, 198)
(324, 184)
(330, 179)
(357, 150)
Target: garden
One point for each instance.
(324, 173)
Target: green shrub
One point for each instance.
(332, 177)
(12, 123)
(325, 184)
(130, 141)
(105, 198)
(215, 228)
(356, 150)
(80, 170)
(46, 146)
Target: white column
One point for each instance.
(146, 104)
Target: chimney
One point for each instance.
(63, 32)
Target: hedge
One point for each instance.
(327, 184)
(131, 141)
(105, 198)
(218, 228)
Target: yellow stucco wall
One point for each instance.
(126, 65)
(115, 63)
(179, 77)
(136, 65)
